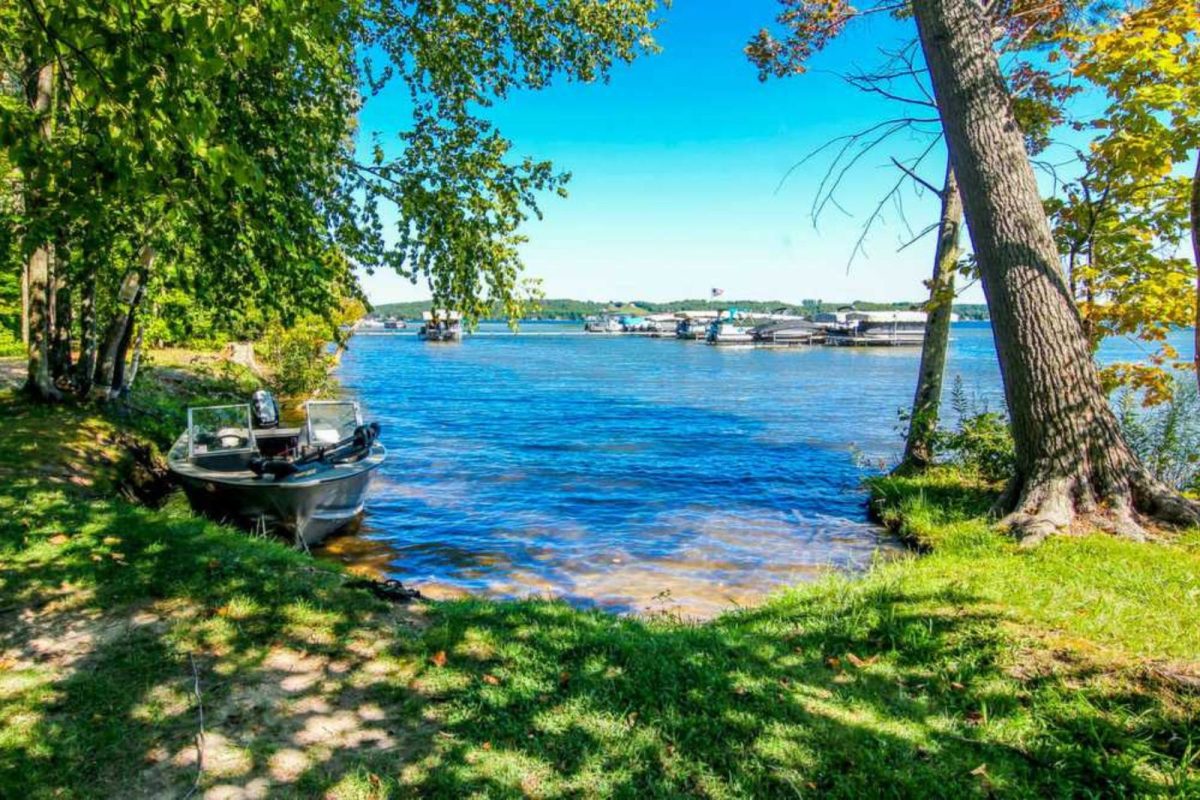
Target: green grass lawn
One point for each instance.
(977, 669)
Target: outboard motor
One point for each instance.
(264, 410)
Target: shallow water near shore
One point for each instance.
(632, 473)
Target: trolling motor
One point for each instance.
(356, 443)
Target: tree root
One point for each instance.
(1039, 509)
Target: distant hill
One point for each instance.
(578, 309)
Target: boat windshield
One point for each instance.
(219, 429)
(331, 421)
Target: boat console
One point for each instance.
(233, 438)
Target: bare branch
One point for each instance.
(936, 191)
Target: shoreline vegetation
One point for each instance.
(977, 668)
(567, 309)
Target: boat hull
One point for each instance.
(305, 508)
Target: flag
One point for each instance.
(717, 292)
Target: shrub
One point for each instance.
(980, 441)
(1166, 437)
(298, 356)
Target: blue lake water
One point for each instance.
(629, 472)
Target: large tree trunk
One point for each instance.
(85, 368)
(1072, 460)
(923, 421)
(39, 382)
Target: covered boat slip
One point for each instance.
(306, 481)
(879, 328)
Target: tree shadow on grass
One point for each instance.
(860, 688)
(879, 691)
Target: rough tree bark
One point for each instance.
(1072, 461)
(923, 421)
(39, 382)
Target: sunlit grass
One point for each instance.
(977, 669)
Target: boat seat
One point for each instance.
(274, 442)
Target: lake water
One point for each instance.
(633, 473)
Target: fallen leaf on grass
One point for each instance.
(487, 745)
(59, 538)
(861, 662)
(833, 662)
(980, 770)
(439, 658)
(491, 680)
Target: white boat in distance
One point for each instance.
(730, 329)
(604, 323)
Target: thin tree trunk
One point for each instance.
(136, 361)
(110, 368)
(85, 369)
(118, 375)
(923, 422)
(60, 357)
(1196, 257)
(1071, 458)
(25, 302)
(106, 361)
(39, 382)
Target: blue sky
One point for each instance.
(677, 163)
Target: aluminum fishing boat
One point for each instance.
(236, 464)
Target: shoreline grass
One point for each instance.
(977, 669)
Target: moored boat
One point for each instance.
(440, 325)
(729, 331)
(788, 333)
(694, 324)
(237, 464)
(603, 323)
(879, 328)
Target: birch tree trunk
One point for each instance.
(1072, 460)
(85, 369)
(110, 367)
(39, 381)
(923, 422)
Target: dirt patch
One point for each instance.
(12, 373)
(293, 714)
